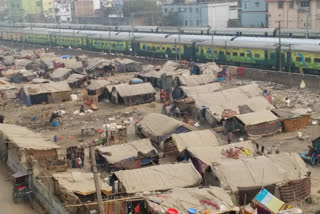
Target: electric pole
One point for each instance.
(280, 54)
(96, 179)
(179, 45)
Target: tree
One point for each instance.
(172, 19)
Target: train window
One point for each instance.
(308, 59)
(228, 53)
(242, 54)
(153, 49)
(163, 48)
(249, 54)
(215, 52)
(234, 54)
(317, 60)
(299, 59)
(208, 51)
(221, 52)
(158, 48)
(256, 55)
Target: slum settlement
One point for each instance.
(84, 135)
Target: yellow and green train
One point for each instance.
(264, 55)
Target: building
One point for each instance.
(253, 13)
(294, 14)
(62, 10)
(215, 14)
(48, 9)
(84, 8)
(20, 10)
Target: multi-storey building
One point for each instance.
(63, 10)
(48, 9)
(19, 10)
(253, 13)
(303, 14)
(202, 13)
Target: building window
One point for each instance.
(291, 4)
(190, 10)
(308, 59)
(38, 3)
(186, 22)
(257, 4)
(198, 22)
(165, 10)
(305, 4)
(185, 10)
(197, 10)
(280, 4)
(179, 10)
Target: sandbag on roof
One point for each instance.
(126, 90)
(159, 178)
(194, 139)
(120, 152)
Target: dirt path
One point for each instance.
(6, 203)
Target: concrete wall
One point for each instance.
(285, 78)
(253, 13)
(220, 13)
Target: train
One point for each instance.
(253, 32)
(293, 55)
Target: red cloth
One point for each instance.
(137, 209)
(240, 71)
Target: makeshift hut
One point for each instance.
(292, 119)
(8, 90)
(194, 80)
(99, 67)
(177, 143)
(77, 187)
(70, 63)
(19, 147)
(156, 178)
(243, 99)
(60, 74)
(158, 127)
(132, 155)
(185, 91)
(282, 173)
(255, 124)
(40, 81)
(18, 76)
(76, 80)
(133, 94)
(199, 198)
(96, 91)
(128, 65)
(55, 92)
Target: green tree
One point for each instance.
(172, 19)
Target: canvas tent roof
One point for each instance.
(98, 63)
(158, 124)
(52, 87)
(159, 178)
(255, 118)
(60, 74)
(232, 98)
(126, 61)
(194, 139)
(70, 63)
(182, 199)
(79, 182)
(75, 77)
(120, 152)
(97, 84)
(259, 171)
(211, 155)
(169, 67)
(25, 138)
(126, 90)
(201, 89)
(196, 80)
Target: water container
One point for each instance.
(192, 211)
(172, 211)
(55, 123)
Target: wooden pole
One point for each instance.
(96, 180)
